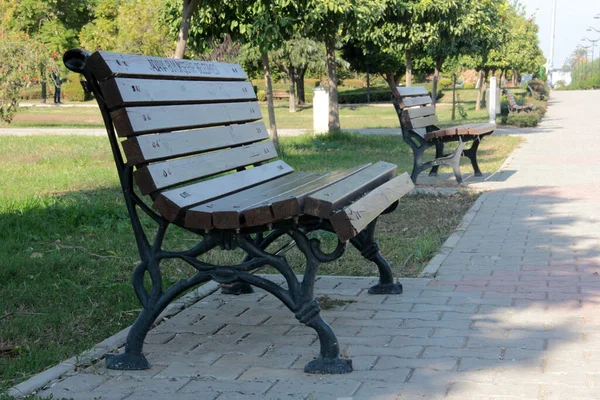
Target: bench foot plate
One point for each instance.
(127, 362)
(329, 366)
(386, 288)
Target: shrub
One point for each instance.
(32, 93)
(469, 85)
(73, 90)
(359, 96)
(354, 83)
(522, 120)
(261, 95)
(445, 83)
(440, 94)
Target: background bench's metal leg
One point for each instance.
(472, 154)
(439, 152)
(454, 162)
(369, 249)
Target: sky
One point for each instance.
(573, 17)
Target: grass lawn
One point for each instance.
(67, 250)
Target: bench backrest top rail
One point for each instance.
(184, 121)
(105, 65)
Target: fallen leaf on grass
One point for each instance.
(36, 255)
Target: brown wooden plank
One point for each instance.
(351, 220)
(291, 203)
(412, 91)
(424, 122)
(228, 212)
(161, 146)
(475, 129)
(119, 92)
(171, 204)
(415, 101)
(104, 65)
(324, 202)
(164, 174)
(131, 121)
(417, 112)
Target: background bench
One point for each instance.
(281, 94)
(513, 106)
(197, 155)
(419, 130)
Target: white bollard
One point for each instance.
(493, 99)
(321, 109)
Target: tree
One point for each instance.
(23, 62)
(294, 58)
(467, 27)
(127, 26)
(329, 21)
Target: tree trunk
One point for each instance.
(479, 77)
(453, 97)
(436, 77)
(514, 77)
(479, 84)
(368, 84)
(44, 92)
(292, 90)
(188, 10)
(334, 114)
(390, 78)
(482, 90)
(300, 86)
(409, 67)
(272, 124)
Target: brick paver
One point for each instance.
(512, 313)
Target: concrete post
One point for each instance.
(493, 99)
(321, 109)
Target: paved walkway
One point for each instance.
(512, 313)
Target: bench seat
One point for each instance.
(461, 130)
(191, 150)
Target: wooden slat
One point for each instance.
(131, 121)
(292, 203)
(351, 220)
(228, 212)
(160, 146)
(415, 101)
(172, 203)
(119, 92)
(104, 65)
(424, 122)
(164, 174)
(412, 91)
(476, 129)
(417, 112)
(324, 202)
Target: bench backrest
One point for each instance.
(415, 109)
(510, 97)
(183, 120)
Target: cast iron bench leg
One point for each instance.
(369, 249)
(439, 152)
(472, 154)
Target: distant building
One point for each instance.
(559, 75)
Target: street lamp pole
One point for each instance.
(551, 59)
(593, 42)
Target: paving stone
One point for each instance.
(126, 384)
(245, 387)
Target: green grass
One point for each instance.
(67, 249)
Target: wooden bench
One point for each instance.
(419, 130)
(513, 106)
(197, 156)
(281, 94)
(534, 94)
